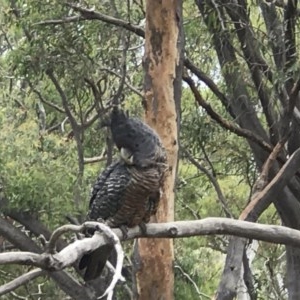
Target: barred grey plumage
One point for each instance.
(118, 197)
(137, 138)
(127, 193)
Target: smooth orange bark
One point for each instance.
(153, 258)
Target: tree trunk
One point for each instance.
(153, 258)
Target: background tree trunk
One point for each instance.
(153, 258)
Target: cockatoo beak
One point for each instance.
(126, 155)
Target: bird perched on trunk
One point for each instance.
(127, 192)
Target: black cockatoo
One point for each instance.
(138, 143)
(127, 192)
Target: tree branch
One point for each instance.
(282, 4)
(63, 20)
(90, 14)
(91, 160)
(209, 226)
(213, 180)
(35, 226)
(188, 277)
(21, 280)
(224, 123)
(50, 104)
(259, 202)
(210, 83)
(290, 15)
(131, 87)
(77, 130)
(64, 99)
(116, 99)
(263, 199)
(66, 282)
(120, 257)
(256, 64)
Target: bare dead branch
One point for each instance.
(113, 270)
(69, 255)
(209, 226)
(66, 282)
(51, 247)
(107, 232)
(120, 257)
(27, 258)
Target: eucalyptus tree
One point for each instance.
(64, 63)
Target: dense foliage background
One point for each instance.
(60, 70)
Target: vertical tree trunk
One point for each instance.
(153, 258)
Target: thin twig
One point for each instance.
(212, 179)
(63, 99)
(91, 160)
(50, 104)
(131, 87)
(64, 20)
(21, 280)
(117, 96)
(186, 275)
